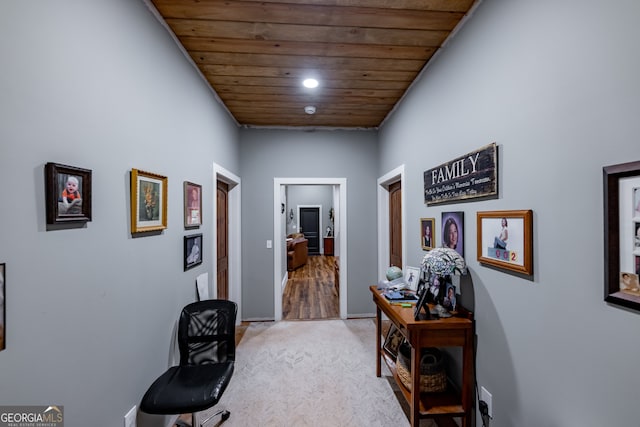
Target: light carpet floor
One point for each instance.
(310, 373)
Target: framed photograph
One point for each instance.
(2, 306)
(505, 240)
(68, 194)
(621, 185)
(412, 277)
(192, 251)
(192, 205)
(392, 341)
(148, 201)
(453, 231)
(427, 233)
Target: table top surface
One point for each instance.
(404, 315)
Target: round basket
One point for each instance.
(433, 377)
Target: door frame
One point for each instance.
(278, 237)
(384, 182)
(235, 246)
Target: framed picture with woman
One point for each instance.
(453, 231)
(192, 205)
(427, 233)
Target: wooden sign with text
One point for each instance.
(474, 175)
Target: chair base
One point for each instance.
(224, 415)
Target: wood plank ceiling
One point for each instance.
(364, 53)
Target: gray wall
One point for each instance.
(90, 310)
(555, 84)
(267, 154)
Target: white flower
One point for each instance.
(444, 262)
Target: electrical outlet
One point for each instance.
(130, 417)
(486, 396)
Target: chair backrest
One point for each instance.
(206, 332)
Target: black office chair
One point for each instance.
(206, 339)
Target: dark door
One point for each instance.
(222, 241)
(310, 224)
(395, 224)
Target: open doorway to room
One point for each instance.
(309, 285)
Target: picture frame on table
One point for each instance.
(392, 341)
(621, 200)
(412, 277)
(192, 251)
(148, 201)
(505, 240)
(192, 205)
(67, 194)
(427, 233)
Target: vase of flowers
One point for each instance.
(440, 264)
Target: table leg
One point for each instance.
(378, 341)
(415, 386)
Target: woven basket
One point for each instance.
(433, 377)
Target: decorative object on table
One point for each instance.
(621, 219)
(433, 375)
(392, 341)
(68, 194)
(412, 278)
(2, 306)
(440, 264)
(453, 231)
(472, 176)
(421, 310)
(505, 240)
(148, 201)
(192, 251)
(427, 233)
(393, 273)
(192, 205)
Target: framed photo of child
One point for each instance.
(192, 205)
(68, 194)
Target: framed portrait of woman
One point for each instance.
(192, 205)
(427, 233)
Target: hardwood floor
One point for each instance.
(310, 292)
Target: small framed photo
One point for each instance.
(392, 341)
(621, 227)
(68, 194)
(453, 231)
(192, 205)
(505, 240)
(412, 277)
(148, 201)
(449, 300)
(427, 233)
(2, 306)
(192, 251)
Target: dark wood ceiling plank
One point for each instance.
(212, 44)
(305, 14)
(309, 62)
(241, 81)
(237, 70)
(417, 5)
(306, 33)
(301, 91)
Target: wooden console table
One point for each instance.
(450, 332)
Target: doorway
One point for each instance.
(233, 251)
(385, 182)
(340, 235)
(222, 238)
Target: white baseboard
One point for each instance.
(360, 316)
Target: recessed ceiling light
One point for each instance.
(310, 109)
(310, 83)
